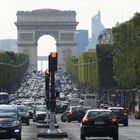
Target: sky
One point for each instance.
(111, 12)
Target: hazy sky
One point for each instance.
(111, 12)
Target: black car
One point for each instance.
(99, 123)
(120, 114)
(10, 123)
(73, 113)
(24, 114)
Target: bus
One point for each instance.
(90, 100)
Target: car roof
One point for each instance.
(39, 106)
(75, 107)
(115, 107)
(4, 93)
(7, 106)
(98, 110)
(22, 106)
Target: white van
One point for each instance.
(90, 100)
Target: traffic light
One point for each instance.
(53, 61)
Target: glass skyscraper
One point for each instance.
(96, 28)
(82, 41)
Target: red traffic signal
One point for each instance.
(53, 55)
(53, 61)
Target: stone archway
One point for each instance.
(61, 25)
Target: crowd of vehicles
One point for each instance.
(100, 122)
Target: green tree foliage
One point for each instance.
(84, 69)
(105, 70)
(71, 64)
(126, 62)
(12, 68)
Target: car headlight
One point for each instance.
(15, 123)
(26, 115)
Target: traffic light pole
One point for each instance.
(52, 129)
(47, 99)
(51, 100)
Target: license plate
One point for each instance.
(99, 123)
(3, 131)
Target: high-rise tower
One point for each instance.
(81, 40)
(96, 28)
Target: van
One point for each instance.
(90, 100)
(74, 102)
(4, 98)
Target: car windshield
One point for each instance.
(118, 110)
(77, 109)
(7, 113)
(44, 109)
(22, 109)
(101, 114)
(4, 99)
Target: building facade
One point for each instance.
(82, 41)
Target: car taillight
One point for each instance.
(71, 113)
(86, 120)
(125, 115)
(114, 120)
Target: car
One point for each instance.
(73, 113)
(4, 98)
(60, 108)
(40, 113)
(137, 114)
(99, 123)
(121, 115)
(24, 114)
(10, 122)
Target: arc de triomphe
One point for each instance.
(61, 25)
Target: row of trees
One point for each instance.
(126, 60)
(12, 69)
(114, 65)
(93, 69)
(84, 69)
